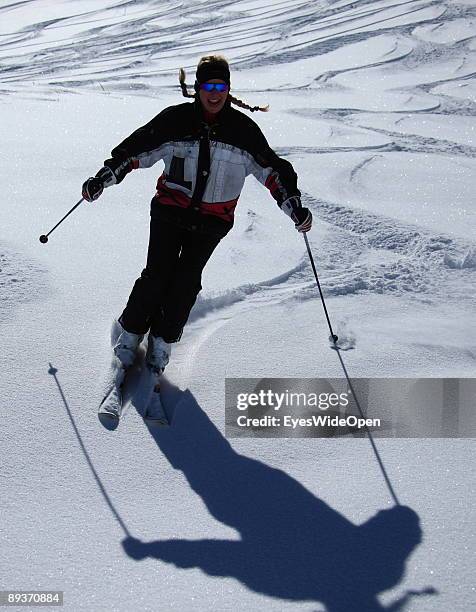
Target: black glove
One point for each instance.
(92, 188)
(302, 218)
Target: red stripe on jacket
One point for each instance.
(173, 197)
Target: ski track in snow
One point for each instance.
(84, 48)
(367, 253)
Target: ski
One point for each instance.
(155, 414)
(110, 408)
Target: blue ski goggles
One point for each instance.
(221, 87)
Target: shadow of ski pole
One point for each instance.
(369, 434)
(334, 338)
(53, 371)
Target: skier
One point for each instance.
(208, 149)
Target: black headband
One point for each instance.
(213, 70)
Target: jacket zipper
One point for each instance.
(203, 168)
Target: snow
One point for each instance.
(374, 104)
(392, 182)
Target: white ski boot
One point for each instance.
(126, 345)
(158, 354)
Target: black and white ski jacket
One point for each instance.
(205, 165)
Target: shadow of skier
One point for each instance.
(293, 545)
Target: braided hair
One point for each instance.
(232, 99)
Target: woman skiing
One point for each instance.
(208, 149)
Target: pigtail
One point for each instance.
(183, 85)
(241, 104)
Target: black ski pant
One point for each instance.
(163, 296)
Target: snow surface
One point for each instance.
(374, 104)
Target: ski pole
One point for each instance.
(351, 387)
(44, 237)
(333, 335)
